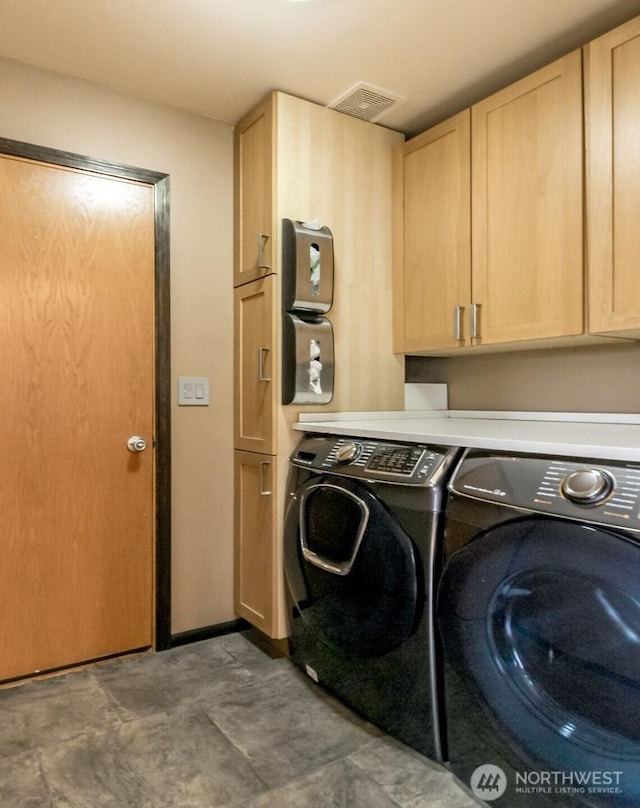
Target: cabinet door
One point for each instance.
(432, 237)
(527, 206)
(253, 188)
(613, 180)
(254, 546)
(255, 385)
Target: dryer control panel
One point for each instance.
(591, 491)
(384, 461)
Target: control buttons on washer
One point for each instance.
(395, 459)
(587, 486)
(348, 452)
(413, 464)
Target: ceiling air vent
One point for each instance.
(366, 101)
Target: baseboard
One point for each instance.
(271, 647)
(208, 632)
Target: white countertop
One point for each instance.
(604, 436)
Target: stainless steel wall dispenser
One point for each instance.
(307, 267)
(307, 294)
(307, 348)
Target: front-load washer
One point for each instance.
(539, 617)
(362, 543)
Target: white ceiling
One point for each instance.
(219, 57)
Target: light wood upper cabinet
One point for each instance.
(253, 221)
(255, 366)
(612, 74)
(432, 236)
(527, 207)
(488, 237)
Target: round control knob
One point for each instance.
(348, 452)
(587, 486)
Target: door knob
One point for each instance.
(136, 444)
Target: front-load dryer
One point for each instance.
(539, 616)
(362, 547)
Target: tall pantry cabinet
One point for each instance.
(296, 160)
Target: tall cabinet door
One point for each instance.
(256, 553)
(432, 237)
(527, 207)
(253, 224)
(613, 180)
(255, 340)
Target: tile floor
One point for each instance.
(215, 723)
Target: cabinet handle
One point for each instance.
(261, 355)
(262, 240)
(264, 492)
(475, 320)
(457, 323)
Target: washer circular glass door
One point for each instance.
(354, 575)
(542, 619)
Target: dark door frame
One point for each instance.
(162, 438)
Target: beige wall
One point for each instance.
(72, 115)
(603, 378)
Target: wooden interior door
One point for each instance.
(77, 351)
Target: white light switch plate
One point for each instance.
(193, 391)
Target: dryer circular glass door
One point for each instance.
(541, 618)
(352, 572)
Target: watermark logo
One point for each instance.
(569, 782)
(488, 782)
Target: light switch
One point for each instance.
(193, 391)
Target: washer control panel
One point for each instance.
(408, 463)
(594, 491)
